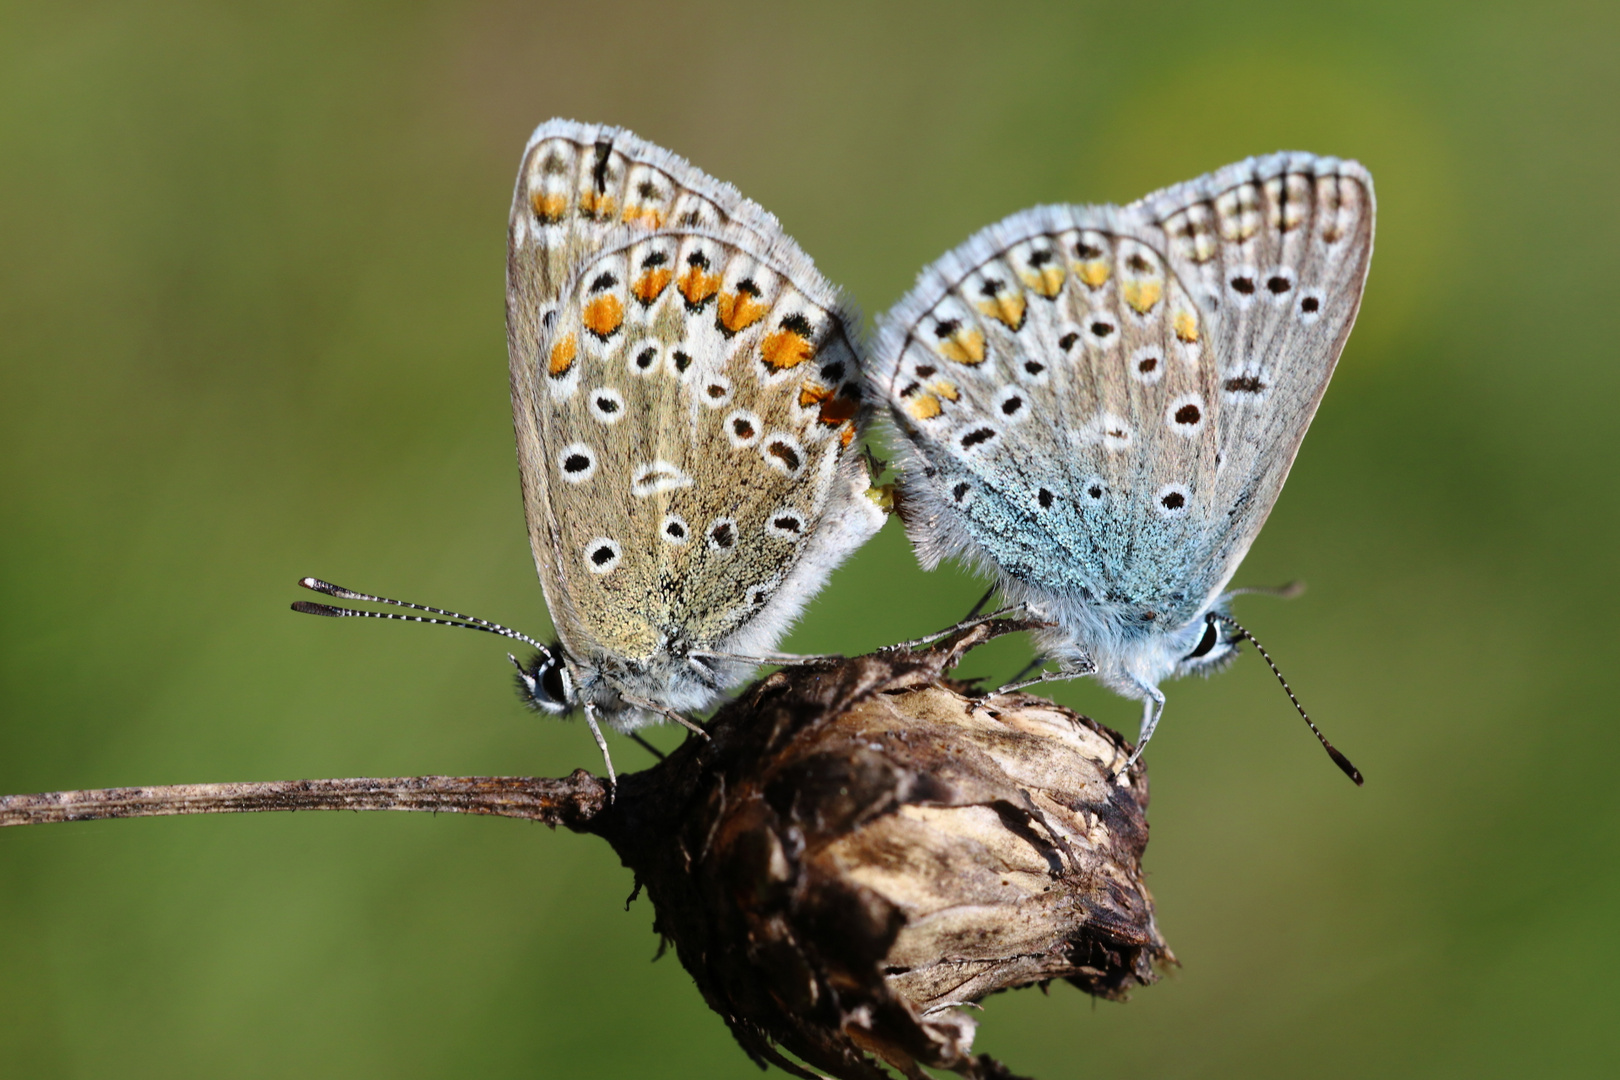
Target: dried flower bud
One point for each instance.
(865, 845)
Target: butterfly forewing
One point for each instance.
(1276, 250)
(692, 438)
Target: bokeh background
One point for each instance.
(251, 328)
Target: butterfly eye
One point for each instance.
(1205, 643)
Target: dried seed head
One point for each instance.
(863, 846)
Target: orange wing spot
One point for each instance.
(1008, 310)
(964, 346)
(848, 436)
(697, 286)
(1094, 273)
(1048, 280)
(548, 208)
(562, 357)
(649, 217)
(925, 407)
(785, 349)
(838, 410)
(651, 285)
(602, 207)
(738, 311)
(604, 315)
(810, 394)
(1187, 326)
(1142, 295)
(946, 390)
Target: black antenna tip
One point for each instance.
(1344, 764)
(307, 608)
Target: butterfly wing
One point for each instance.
(694, 471)
(1060, 385)
(1276, 250)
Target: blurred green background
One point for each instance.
(251, 328)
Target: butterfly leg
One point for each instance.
(771, 657)
(667, 714)
(1152, 709)
(971, 621)
(601, 744)
(1077, 669)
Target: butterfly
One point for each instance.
(1100, 404)
(687, 395)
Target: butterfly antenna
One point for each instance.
(469, 622)
(1338, 759)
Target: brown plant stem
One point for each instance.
(571, 801)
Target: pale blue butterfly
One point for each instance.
(1100, 404)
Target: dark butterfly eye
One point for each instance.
(1205, 643)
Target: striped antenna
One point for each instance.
(1338, 759)
(468, 622)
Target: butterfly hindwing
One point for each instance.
(696, 443)
(1069, 430)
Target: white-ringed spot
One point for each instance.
(742, 428)
(783, 453)
(1146, 364)
(1309, 306)
(656, 477)
(1170, 500)
(715, 392)
(1185, 415)
(1093, 491)
(1242, 283)
(643, 358)
(786, 524)
(601, 555)
(1279, 285)
(722, 534)
(1013, 404)
(577, 463)
(607, 405)
(674, 530)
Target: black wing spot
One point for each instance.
(723, 534)
(1102, 329)
(1244, 285)
(947, 328)
(675, 530)
(1188, 414)
(977, 436)
(796, 323)
(1174, 501)
(959, 492)
(1045, 498)
(607, 404)
(1095, 491)
(645, 358)
(1034, 367)
(990, 288)
(832, 372)
(1139, 264)
(1279, 285)
(603, 281)
(657, 258)
(1040, 258)
(576, 463)
(784, 453)
(746, 285)
(1088, 251)
(1012, 405)
(925, 370)
(1245, 384)
(683, 360)
(1147, 364)
(648, 190)
(698, 259)
(1310, 305)
(787, 523)
(602, 555)
(1066, 342)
